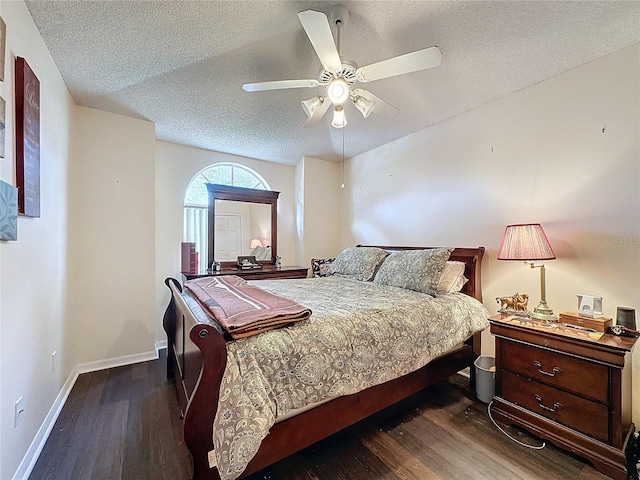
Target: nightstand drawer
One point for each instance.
(570, 373)
(575, 412)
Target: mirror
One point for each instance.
(242, 222)
(241, 228)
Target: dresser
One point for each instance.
(569, 386)
(264, 273)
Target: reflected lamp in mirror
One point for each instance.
(256, 242)
(528, 242)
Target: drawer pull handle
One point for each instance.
(556, 405)
(553, 372)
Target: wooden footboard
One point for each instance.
(196, 358)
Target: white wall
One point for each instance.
(33, 268)
(318, 208)
(564, 153)
(111, 237)
(175, 167)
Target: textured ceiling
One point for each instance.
(182, 64)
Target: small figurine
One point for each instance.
(517, 303)
(278, 263)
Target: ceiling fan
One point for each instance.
(339, 74)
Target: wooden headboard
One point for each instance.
(472, 258)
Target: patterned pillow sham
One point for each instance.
(360, 263)
(417, 270)
(452, 278)
(261, 253)
(320, 266)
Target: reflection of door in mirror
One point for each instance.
(242, 228)
(228, 237)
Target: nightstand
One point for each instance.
(566, 385)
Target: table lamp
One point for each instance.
(528, 242)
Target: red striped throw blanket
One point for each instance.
(243, 309)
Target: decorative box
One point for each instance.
(598, 324)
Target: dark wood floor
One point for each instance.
(124, 423)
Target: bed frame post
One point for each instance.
(168, 323)
(202, 408)
(196, 360)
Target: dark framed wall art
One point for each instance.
(27, 140)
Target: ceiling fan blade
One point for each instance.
(318, 30)
(407, 63)
(314, 119)
(381, 107)
(279, 84)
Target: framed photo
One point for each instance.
(27, 139)
(8, 211)
(3, 43)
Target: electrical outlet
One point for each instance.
(18, 412)
(54, 361)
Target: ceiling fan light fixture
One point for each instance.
(338, 91)
(312, 105)
(339, 120)
(340, 74)
(364, 105)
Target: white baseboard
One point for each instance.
(31, 457)
(117, 361)
(161, 345)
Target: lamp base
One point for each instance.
(543, 312)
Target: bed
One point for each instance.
(204, 361)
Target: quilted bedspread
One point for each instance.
(359, 335)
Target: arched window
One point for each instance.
(196, 200)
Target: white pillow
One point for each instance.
(452, 278)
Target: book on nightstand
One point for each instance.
(598, 324)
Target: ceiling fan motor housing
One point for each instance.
(348, 72)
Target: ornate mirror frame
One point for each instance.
(240, 194)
